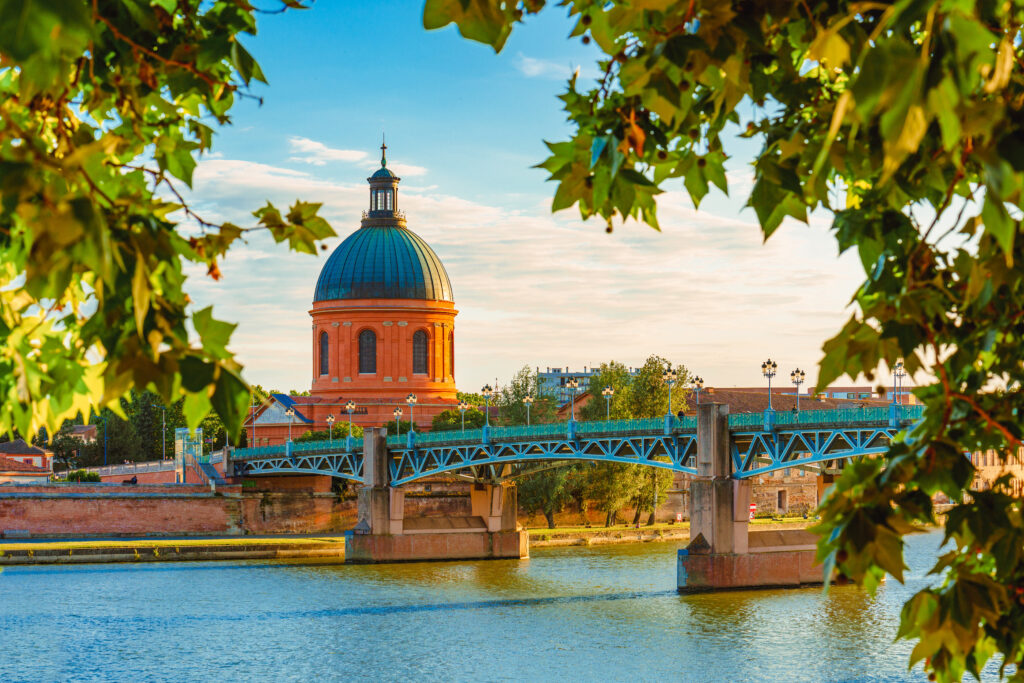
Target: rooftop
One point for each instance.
(19, 447)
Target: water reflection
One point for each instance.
(596, 613)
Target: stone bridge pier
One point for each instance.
(385, 534)
(724, 553)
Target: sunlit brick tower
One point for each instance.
(383, 320)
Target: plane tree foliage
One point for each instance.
(903, 122)
(105, 109)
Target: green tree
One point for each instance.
(105, 106)
(340, 432)
(451, 419)
(615, 375)
(611, 485)
(66, 449)
(648, 392)
(470, 398)
(904, 122)
(653, 491)
(116, 441)
(544, 492)
(510, 400)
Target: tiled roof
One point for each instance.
(291, 401)
(9, 465)
(19, 447)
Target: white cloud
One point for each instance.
(532, 67)
(317, 153)
(544, 289)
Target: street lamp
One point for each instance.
(398, 419)
(350, 408)
(290, 412)
(698, 384)
(797, 377)
(487, 391)
(463, 407)
(608, 392)
(411, 400)
(330, 427)
(572, 384)
(768, 369)
(527, 401)
(898, 373)
(669, 377)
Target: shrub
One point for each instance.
(82, 475)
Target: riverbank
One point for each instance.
(678, 532)
(319, 547)
(172, 550)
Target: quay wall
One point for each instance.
(97, 510)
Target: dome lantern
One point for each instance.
(383, 190)
(383, 259)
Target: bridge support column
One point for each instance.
(385, 534)
(723, 554)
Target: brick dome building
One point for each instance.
(383, 328)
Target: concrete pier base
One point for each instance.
(724, 554)
(774, 559)
(782, 569)
(425, 547)
(385, 534)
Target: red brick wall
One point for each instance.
(128, 516)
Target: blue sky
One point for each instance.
(464, 126)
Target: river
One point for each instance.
(571, 614)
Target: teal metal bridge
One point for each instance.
(814, 440)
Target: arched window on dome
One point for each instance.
(325, 354)
(367, 353)
(420, 346)
(451, 352)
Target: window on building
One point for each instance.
(367, 352)
(419, 353)
(325, 357)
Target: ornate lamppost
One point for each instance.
(898, 373)
(572, 384)
(768, 369)
(527, 401)
(350, 408)
(290, 412)
(398, 418)
(411, 400)
(797, 377)
(487, 391)
(608, 392)
(669, 377)
(698, 384)
(330, 427)
(463, 407)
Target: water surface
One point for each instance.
(598, 613)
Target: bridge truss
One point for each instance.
(755, 451)
(341, 464)
(675, 452)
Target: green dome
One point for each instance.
(383, 262)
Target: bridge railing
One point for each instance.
(828, 417)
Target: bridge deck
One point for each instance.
(761, 443)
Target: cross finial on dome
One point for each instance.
(383, 152)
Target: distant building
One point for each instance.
(17, 472)
(84, 433)
(552, 381)
(19, 451)
(383, 327)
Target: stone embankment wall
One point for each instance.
(91, 510)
